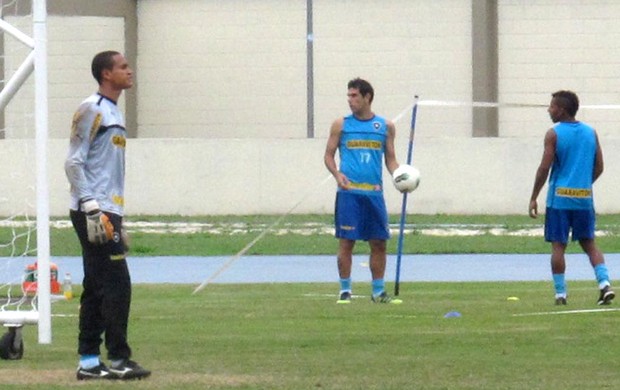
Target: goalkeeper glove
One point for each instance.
(98, 226)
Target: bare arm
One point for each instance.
(598, 163)
(543, 170)
(390, 155)
(330, 153)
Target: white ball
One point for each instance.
(406, 178)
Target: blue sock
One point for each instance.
(602, 276)
(89, 361)
(560, 285)
(378, 286)
(345, 285)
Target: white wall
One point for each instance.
(403, 48)
(235, 176)
(222, 69)
(222, 110)
(230, 69)
(72, 43)
(547, 45)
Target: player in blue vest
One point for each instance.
(363, 140)
(573, 155)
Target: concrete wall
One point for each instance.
(547, 45)
(222, 69)
(221, 104)
(230, 69)
(267, 176)
(72, 42)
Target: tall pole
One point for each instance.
(39, 16)
(309, 70)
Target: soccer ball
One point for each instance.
(406, 178)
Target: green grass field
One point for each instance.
(294, 336)
(310, 235)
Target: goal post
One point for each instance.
(18, 45)
(39, 22)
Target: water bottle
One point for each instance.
(67, 288)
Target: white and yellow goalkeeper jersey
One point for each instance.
(95, 164)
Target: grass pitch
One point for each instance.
(295, 336)
(310, 235)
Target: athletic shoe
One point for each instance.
(98, 372)
(381, 298)
(345, 298)
(129, 369)
(560, 301)
(607, 295)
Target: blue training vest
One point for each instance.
(362, 144)
(570, 182)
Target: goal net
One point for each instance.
(24, 210)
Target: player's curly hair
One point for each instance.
(568, 100)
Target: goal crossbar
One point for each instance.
(19, 317)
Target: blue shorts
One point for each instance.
(559, 222)
(361, 217)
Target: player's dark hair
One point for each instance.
(568, 100)
(102, 61)
(363, 86)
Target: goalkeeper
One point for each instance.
(95, 168)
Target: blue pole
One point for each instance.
(403, 210)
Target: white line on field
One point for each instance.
(545, 313)
(449, 229)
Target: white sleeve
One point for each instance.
(86, 122)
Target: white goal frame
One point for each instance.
(36, 61)
(39, 20)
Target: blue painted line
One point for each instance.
(307, 269)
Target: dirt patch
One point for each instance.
(65, 378)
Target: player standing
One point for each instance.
(95, 168)
(573, 155)
(363, 140)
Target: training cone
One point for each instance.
(452, 314)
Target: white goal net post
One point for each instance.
(31, 37)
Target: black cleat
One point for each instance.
(607, 295)
(381, 298)
(98, 372)
(560, 301)
(345, 298)
(129, 369)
